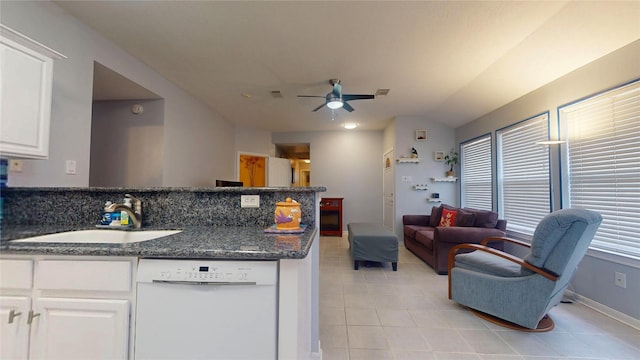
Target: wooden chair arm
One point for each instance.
(504, 239)
(517, 260)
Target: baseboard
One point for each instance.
(612, 313)
(317, 355)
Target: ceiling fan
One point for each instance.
(336, 99)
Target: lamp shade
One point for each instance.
(334, 103)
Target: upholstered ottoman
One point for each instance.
(372, 242)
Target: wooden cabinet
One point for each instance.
(26, 76)
(331, 216)
(61, 308)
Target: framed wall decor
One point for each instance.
(252, 169)
(438, 155)
(421, 135)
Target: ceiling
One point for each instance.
(109, 85)
(446, 61)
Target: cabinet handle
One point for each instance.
(12, 315)
(32, 314)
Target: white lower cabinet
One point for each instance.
(56, 318)
(80, 329)
(14, 331)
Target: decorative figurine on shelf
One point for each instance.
(414, 153)
(451, 159)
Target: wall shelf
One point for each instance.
(434, 200)
(407, 160)
(420, 187)
(444, 179)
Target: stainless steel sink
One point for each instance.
(100, 236)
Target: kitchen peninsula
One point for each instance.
(214, 227)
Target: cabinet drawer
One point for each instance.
(83, 275)
(16, 274)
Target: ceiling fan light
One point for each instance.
(334, 104)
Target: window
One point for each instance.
(603, 154)
(475, 177)
(524, 190)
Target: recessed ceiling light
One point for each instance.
(350, 125)
(246, 95)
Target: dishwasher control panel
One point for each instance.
(206, 271)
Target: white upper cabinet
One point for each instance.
(25, 95)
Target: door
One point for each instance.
(80, 329)
(279, 172)
(14, 331)
(388, 211)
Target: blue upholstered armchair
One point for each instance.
(518, 293)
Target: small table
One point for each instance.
(331, 216)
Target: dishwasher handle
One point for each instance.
(179, 282)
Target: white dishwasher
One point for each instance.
(192, 309)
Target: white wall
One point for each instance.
(126, 148)
(440, 137)
(254, 141)
(349, 164)
(198, 143)
(595, 276)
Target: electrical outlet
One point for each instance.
(621, 280)
(407, 178)
(15, 165)
(250, 201)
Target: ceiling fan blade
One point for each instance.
(347, 107)
(349, 97)
(311, 96)
(318, 108)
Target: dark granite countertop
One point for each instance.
(232, 189)
(194, 242)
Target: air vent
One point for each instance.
(382, 92)
(276, 94)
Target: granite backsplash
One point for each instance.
(171, 207)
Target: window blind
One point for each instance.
(524, 190)
(603, 152)
(475, 174)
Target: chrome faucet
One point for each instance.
(135, 214)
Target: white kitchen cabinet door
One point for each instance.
(26, 76)
(14, 330)
(80, 329)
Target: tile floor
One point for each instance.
(376, 313)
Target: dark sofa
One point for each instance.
(430, 242)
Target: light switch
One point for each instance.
(70, 168)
